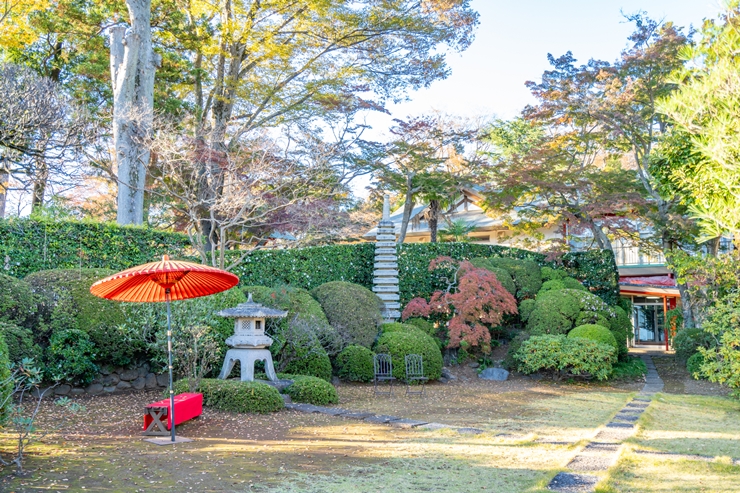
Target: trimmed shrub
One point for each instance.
(422, 324)
(563, 357)
(355, 364)
(525, 273)
(693, 365)
(550, 274)
(687, 342)
(236, 396)
(353, 310)
(510, 362)
(17, 302)
(6, 384)
(20, 343)
(596, 333)
(621, 327)
(71, 357)
(400, 327)
(501, 274)
(314, 363)
(526, 307)
(312, 390)
(400, 344)
(563, 283)
(296, 301)
(557, 312)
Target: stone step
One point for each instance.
(385, 280)
(386, 273)
(388, 297)
(385, 289)
(386, 265)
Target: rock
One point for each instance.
(474, 364)
(446, 373)
(139, 383)
(536, 376)
(123, 385)
(62, 389)
(286, 399)
(128, 375)
(150, 381)
(95, 388)
(443, 380)
(109, 389)
(110, 380)
(142, 372)
(163, 380)
(77, 391)
(335, 381)
(105, 370)
(280, 384)
(498, 374)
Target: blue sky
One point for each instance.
(511, 47)
(514, 38)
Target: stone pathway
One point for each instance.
(601, 453)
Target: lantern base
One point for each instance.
(247, 357)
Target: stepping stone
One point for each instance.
(612, 424)
(591, 463)
(567, 482)
(331, 411)
(473, 431)
(511, 436)
(381, 418)
(407, 423)
(433, 427)
(641, 398)
(304, 408)
(627, 417)
(638, 405)
(601, 446)
(356, 415)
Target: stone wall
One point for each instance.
(113, 380)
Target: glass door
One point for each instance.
(649, 324)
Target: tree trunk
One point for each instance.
(133, 64)
(408, 207)
(39, 185)
(433, 220)
(4, 184)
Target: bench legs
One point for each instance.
(156, 413)
(247, 358)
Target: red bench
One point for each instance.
(187, 406)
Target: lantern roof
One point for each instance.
(250, 309)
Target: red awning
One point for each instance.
(665, 281)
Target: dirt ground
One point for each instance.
(677, 379)
(101, 448)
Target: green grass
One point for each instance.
(640, 474)
(630, 369)
(691, 424)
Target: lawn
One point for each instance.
(101, 450)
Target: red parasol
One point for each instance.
(166, 280)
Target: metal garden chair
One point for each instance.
(383, 365)
(415, 374)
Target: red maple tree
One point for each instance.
(474, 300)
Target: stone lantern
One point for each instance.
(249, 343)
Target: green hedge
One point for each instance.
(236, 396)
(563, 357)
(353, 310)
(400, 344)
(355, 363)
(29, 245)
(311, 390)
(6, 384)
(20, 343)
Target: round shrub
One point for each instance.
(501, 274)
(400, 344)
(355, 364)
(526, 274)
(70, 357)
(564, 357)
(353, 310)
(296, 301)
(422, 324)
(552, 285)
(236, 396)
(400, 327)
(20, 343)
(596, 333)
(571, 283)
(693, 365)
(557, 312)
(6, 385)
(65, 303)
(621, 327)
(550, 274)
(525, 309)
(17, 302)
(687, 341)
(310, 361)
(312, 390)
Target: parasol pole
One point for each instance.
(169, 359)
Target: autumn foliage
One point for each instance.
(475, 301)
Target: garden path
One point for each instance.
(601, 453)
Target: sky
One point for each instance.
(511, 46)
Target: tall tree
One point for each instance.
(700, 162)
